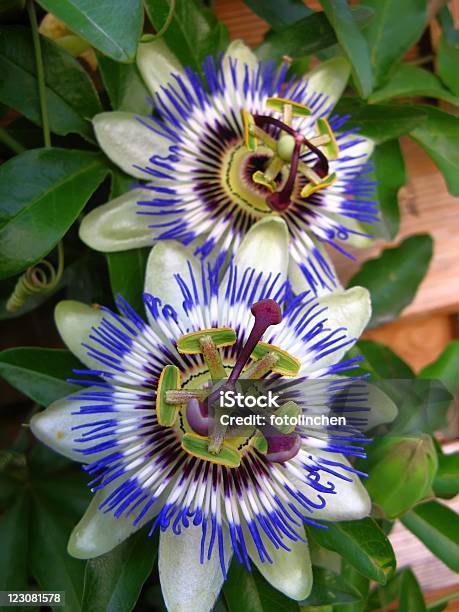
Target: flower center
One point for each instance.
(191, 410)
(289, 151)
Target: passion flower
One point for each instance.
(227, 148)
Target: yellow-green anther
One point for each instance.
(298, 110)
(285, 147)
(198, 447)
(286, 364)
(260, 178)
(249, 124)
(182, 396)
(166, 413)
(318, 141)
(331, 149)
(212, 358)
(287, 411)
(260, 443)
(310, 188)
(191, 343)
(262, 366)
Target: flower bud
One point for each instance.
(401, 471)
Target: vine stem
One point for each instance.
(166, 24)
(40, 72)
(11, 142)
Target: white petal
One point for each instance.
(330, 78)
(127, 142)
(74, 321)
(53, 426)
(359, 153)
(166, 259)
(299, 282)
(156, 63)
(351, 500)
(238, 51)
(265, 247)
(291, 571)
(99, 532)
(188, 586)
(350, 309)
(116, 225)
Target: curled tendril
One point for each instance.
(40, 278)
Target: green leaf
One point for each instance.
(70, 94)
(124, 86)
(249, 592)
(380, 122)
(52, 567)
(447, 63)
(445, 367)
(446, 482)
(329, 588)
(113, 581)
(39, 373)
(112, 28)
(37, 212)
(279, 13)
(437, 526)
(304, 37)
(381, 361)
(354, 579)
(352, 42)
(362, 543)
(439, 137)
(412, 81)
(127, 275)
(411, 599)
(194, 32)
(395, 28)
(383, 595)
(14, 549)
(394, 277)
(390, 176)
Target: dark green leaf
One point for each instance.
(382, 362)
(361, 584)
(439, 136)
(352, 42)
(395, 28)
(445, 368)
(390, 176)
(380, 122)
(39, 373)
(383, 595)
(52, 567)
(113, 581)
(279, 13)
(362, 543)
(124, 86)
(249, 592)
(411, 599)
(437, 526)
(394, 277)
(446, 482)
(66, 489)
(71, 97)
(113, 28)
(304, 37)
(37, 212)
(14, 549)
(329, 588)
(412, 81)
(447, 62)
(194, 32)
(127, 275)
